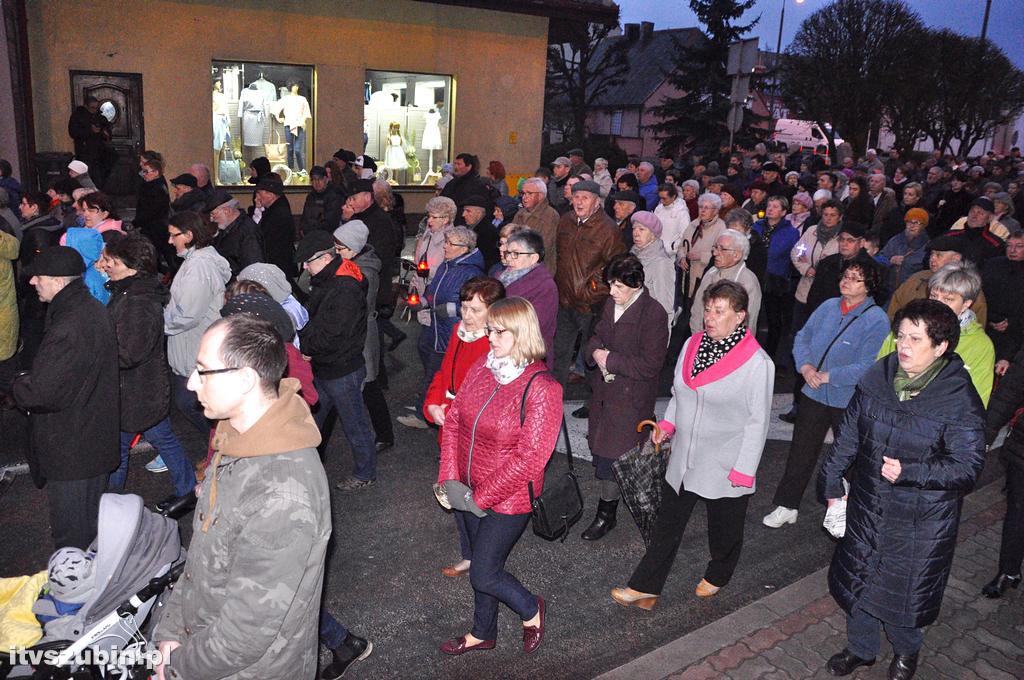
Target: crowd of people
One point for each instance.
(886, 290)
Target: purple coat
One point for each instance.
(538, 286)
(637, 344)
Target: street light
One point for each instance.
(778, 49)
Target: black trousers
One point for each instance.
(1011, 550)
(571, 325)
(725, 538)
(380, 415)
(74, 508)
(812, 423)
(778, 307)
(800, 315)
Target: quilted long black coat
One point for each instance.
(895, 558)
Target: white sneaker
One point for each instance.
(780, 516)
(413, 421)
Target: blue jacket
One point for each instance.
(442, 296)
(851, 355)
(89, 244)
(649, 191)
(784, 238)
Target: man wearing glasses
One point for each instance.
(729, 255)
(248, 602)
(333, 340)
(538, 215)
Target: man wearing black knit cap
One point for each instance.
(71, 395)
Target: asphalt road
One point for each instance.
(391, 540)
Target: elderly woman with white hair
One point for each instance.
(731, 250)
(659, 269)
(694, 249)
(958, 285)
(602, 176)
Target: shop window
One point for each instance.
(407, 125)
(262, 109)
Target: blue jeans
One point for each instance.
(161, 436)
(296, 147)
(332, 633)
(491, 539)
(862, 635)
(345, 395)
(188, 404)
(460, 526)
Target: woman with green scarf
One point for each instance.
(912, 444)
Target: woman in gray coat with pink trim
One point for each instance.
(721, 400)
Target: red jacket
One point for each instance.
(458, 359)
(505, 455)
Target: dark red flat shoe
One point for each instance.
(532, 635)
(458, 646)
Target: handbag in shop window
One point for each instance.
(228, 169)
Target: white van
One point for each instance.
(805, 135)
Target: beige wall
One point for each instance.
(497, 59)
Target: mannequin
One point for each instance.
(221, 127)
(394, 154)
(252, 115)
(431, 141)
(293, 112)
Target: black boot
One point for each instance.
(902, 667)
(603, 522)
(997, 586)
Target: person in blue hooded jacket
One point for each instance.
(89, 244)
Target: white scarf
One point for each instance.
(504, 369)
(467, 335)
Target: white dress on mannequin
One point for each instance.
(432, 130)
(394, 155)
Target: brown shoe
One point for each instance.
(628, 597)
(532, 635)
(705, 589)
(452, 571)
(458, 646)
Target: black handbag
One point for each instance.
(561, 505)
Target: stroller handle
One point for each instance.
(153, 588)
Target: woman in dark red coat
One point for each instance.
(497, 438)
(467, 344)
(628, 347)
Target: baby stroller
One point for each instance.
(138, 555)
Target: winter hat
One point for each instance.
(561, 160)
(186, 179)
(352, 235)
(735, 192)
(270, 277)
(79, 167)
(649, 221)
(271, 185)
(854, 229)
(759, 185)
(71, 576)
(217, 199)
(316, 241)
(947, 244)
(58, 261)
(628, 195)
(770, 166)
(262, 307)
(1004, 198)
(362, 186)
(917, 214)
(587, 185)
(318, 171)
(261, 165)
(984, 203)
(509, 207)
(804, 198)
(822, 194)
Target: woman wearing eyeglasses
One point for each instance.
(440, 303)
(497, 437)
(467, 344)
(153, 206)
(525, 276)
(832, 351)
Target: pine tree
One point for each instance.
(696, 120)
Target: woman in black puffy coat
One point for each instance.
(1006, 401)
(913, 442)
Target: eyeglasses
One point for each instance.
(847, 239)
(175, 234)
(203, 372)
(513, 254)
(491, 330)
(316, 257)
(852, 278)
(917, 222)
(456, 245)
(723, 250)
(531, 193)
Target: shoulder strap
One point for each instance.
(842, 330)
(565, 427)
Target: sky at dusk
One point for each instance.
(1005, 25)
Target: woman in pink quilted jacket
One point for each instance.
(498, 436)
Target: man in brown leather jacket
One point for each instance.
(587, 240)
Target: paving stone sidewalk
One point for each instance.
(791, 633)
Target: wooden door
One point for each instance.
(120, 97)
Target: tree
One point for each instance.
(580, 71)
(697, 117)
(975, 88)
(845, 61)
